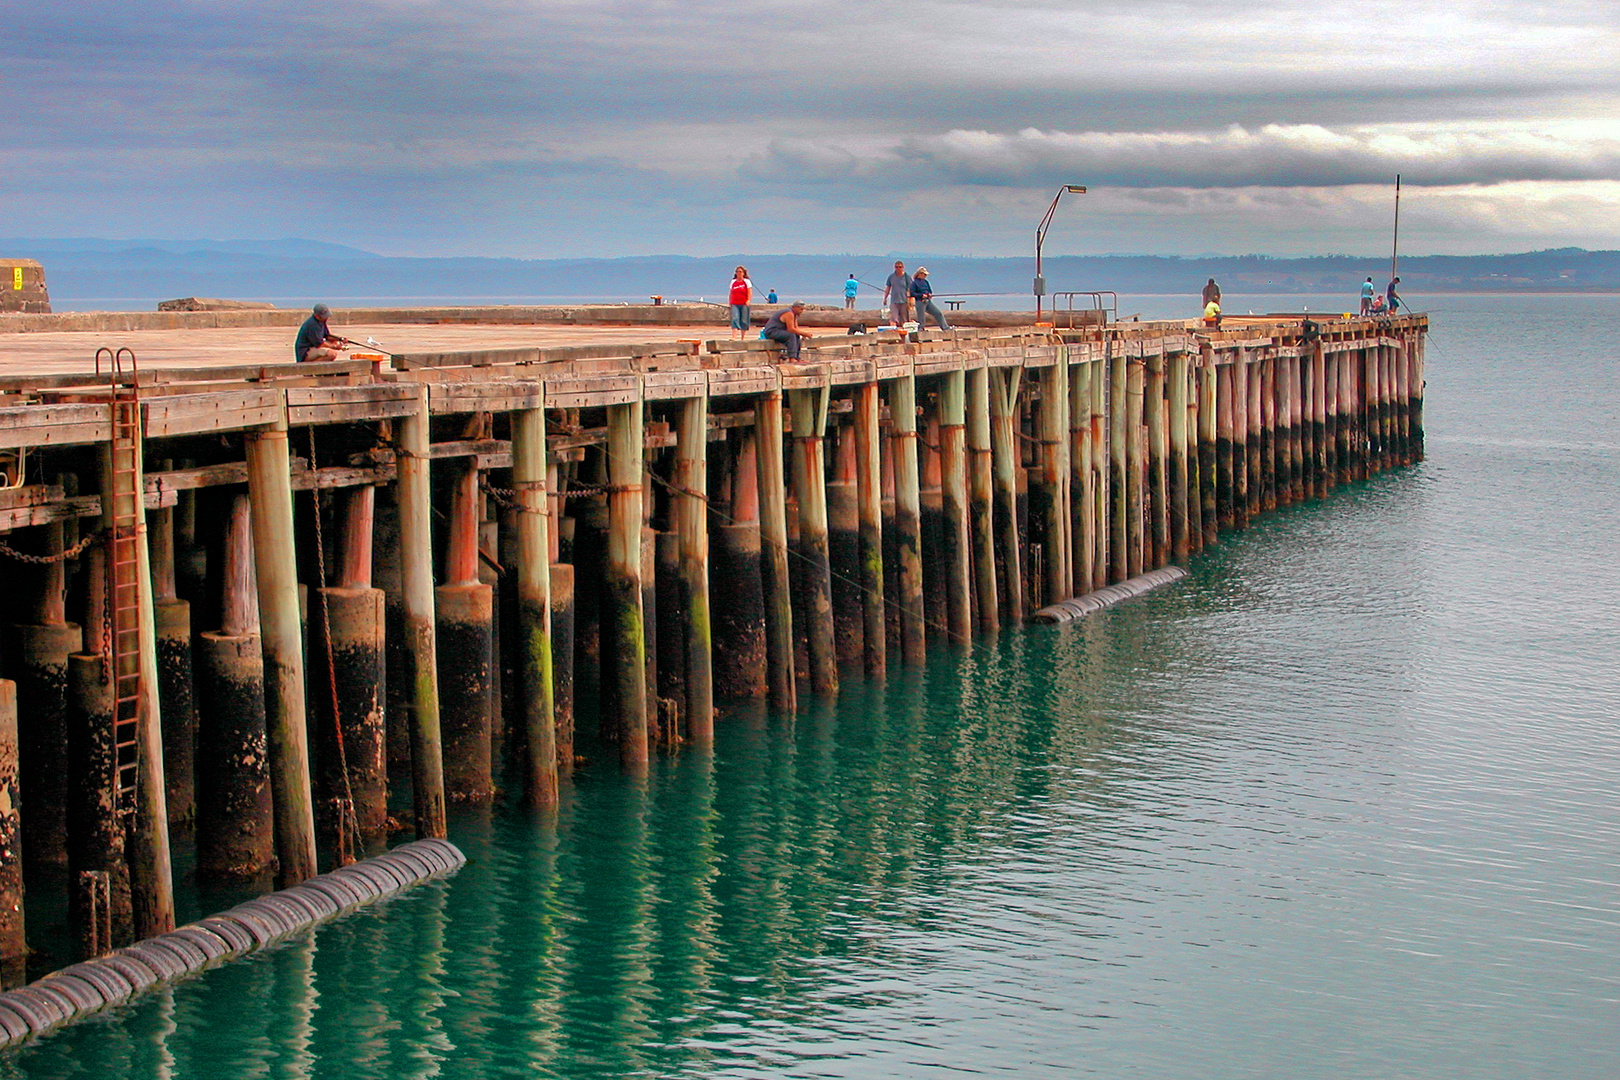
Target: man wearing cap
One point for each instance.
(784, 329)
(314, 341)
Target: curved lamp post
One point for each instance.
(1040, 238)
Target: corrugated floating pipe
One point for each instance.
(83, 988)
(1069, 610)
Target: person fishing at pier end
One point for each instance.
(1212, 291)
(851, 287)
(922, 299)
(1212, 314)
(315, 341)
(784, 328)
(897, 295)
(1368, 291)
(742, 294)
(1392, 300)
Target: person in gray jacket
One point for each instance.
(897, 294)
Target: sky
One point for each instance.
(567, 128)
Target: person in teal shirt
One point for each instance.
(1368, 291)
(851, 287)
(770, 297)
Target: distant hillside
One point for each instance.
(288, 271)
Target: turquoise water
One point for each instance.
(1342, 804)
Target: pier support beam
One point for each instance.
(1240, 438)
(624, 639)
(1158, 464)
(1082, 496)
(416, 584)
(809, 410)
(981, 498)
(39, 671)
(1179, 532)
(13, 947)
(282, 638)
(1320, 476)
(1225, 485)
(692, 527)
(236, 838)
(173, 621)
(1254, 419)
(1004, 460)
(869, 509)
(776, 586)
(464, 614)
(1206, 445)
(844, 547)
(1135, 467)
(1119, 436)
(1049, 500)
(1099, 472)
(954, 485)
(740, 665)
(908, 519)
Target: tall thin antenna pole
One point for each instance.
(1395, 244)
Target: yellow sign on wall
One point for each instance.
(16, 278)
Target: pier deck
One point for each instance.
(302, 585)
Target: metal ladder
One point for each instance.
(123, 572)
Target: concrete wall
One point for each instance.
(22, 287)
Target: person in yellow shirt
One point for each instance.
(1212, 314)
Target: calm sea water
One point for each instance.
(1343, 804)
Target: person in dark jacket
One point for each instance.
(922, 299)
(783, 327)
(1212, 291)
(314, 341)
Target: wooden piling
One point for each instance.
(809, 413)
(147, 827)
(464, 616)
(958, 562)
(1158, 437)
(981, 499)
(624, 639)
(562, 662)
(1004, 384)
(773, 542)
(1240, 438)
(1207, 417)
(908, 519)
(1268, 433)
(844, 548)
(1225, 484)
(1180, 372)
(13, 946)
(95, 834)
(172, 617)
(1319, 425)
(1135, 467)
(535, 662)
(236, 839)
(691, 519)
(869, 499)
(1298, 481)
(414, 487)
(1253, 447)
(1049, 498)
(1099, 472)
(1082, 496)
(1120, 434)
(1415, 395)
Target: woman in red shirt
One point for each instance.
(742, 294)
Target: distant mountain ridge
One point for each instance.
(289, 270)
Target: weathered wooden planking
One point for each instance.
(728, 382)
(22, 517)
(585, 393)
(471, 397)
(54, 425)
(342, 404)
(675, 385)
(231, 410)
(29, 495)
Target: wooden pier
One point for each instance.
(392, 573)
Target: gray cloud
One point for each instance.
(567, 126)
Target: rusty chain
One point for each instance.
(61, 556)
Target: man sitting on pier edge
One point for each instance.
(314, 341)
(784, 327)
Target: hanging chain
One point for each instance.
(61, 556)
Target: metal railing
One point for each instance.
(1064, 316)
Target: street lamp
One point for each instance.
(1040, 238)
